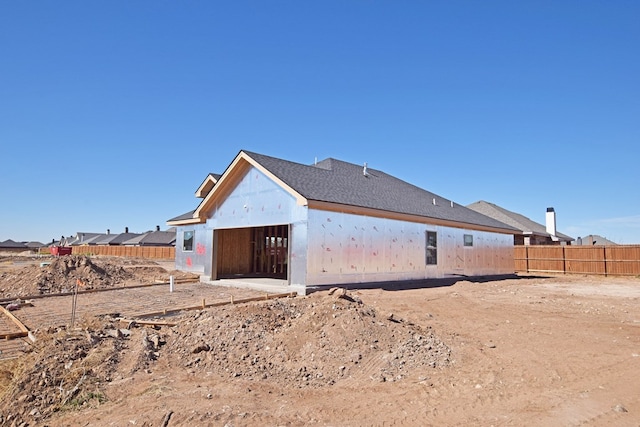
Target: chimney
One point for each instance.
(126, 229)
(551, 221)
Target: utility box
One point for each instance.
(60, 250)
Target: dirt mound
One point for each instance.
(310, 342)
(315, 341)
(64, 272)
(64, 370)
(61, 274)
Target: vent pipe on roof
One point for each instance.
(434, 201)
(551, 221)
(364, 170)
(126, 229)
(157, 228)
(452, 203)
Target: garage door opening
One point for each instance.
(253, 252)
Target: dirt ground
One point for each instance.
(522, 351)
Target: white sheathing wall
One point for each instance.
(194, 260)
(257, 201)
(346, 248)
(254, 202)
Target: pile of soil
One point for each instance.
(64, 370)
(311, 342)
(61, 274)
(317, 341)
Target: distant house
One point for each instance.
(332, 222)
(153, 238)
(150, 238)
(34, 246)
(593, 240)
(80, 238)
(530, 232)
(12, 246)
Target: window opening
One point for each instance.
(432, 248)
(187, 241)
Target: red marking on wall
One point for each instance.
(201, 249)
(189, 262)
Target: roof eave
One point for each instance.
(358, 210)
(231, 176)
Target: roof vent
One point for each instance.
(364, 170)
(434, 201)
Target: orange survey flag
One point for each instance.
(79, 282)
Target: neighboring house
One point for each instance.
(12, 246)
(154, 238)
(81, 238)
(593, 240)
(150, 238)
(531, 233)
(332, 223)
(34, 246)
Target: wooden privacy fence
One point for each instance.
(622, 260)
(153, 252)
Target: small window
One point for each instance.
(468, 240)
(187, 241)
(432, 248)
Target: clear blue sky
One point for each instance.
(113, 112)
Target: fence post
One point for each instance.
(564, 260)
(604, 259)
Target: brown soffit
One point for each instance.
(206, 186)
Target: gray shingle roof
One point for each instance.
(188, 215)
(122, 237)
(336, 181)
(11, 244)
(82, 238)
(159, 238)
(594, 239)
(516, 220)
